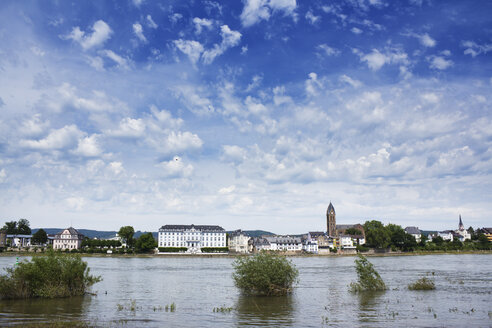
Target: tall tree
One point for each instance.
(145, 243)
(398, 235)
(40, 237)
(10, 227)
(23, 227)
(376, 234)
(126, 233)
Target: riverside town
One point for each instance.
(369, 238)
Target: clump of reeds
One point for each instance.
(368, 279)
(170, 308)
(49, 276)
(222, 309)
(422, 284)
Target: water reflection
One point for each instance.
(43, 310)
(369, 303)
(265, 311)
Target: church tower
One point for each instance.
(460, 225)
(331, 223)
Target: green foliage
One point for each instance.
(362, 248)
(172, 249)
(49, 276)
(126, 233)
(376, 234)
(40, 237)
(422, 284)
(145, 243)
(87, 242)
(353, 232)
(368, 279)
(20, 227)
(264, 274)
(215, 249)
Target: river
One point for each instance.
(135, 292)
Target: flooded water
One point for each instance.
(135, 292)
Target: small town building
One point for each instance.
(310, 245)
(3, 239)
(488, 233)
(331, 221)
(19, 240)
(446, 235)
(192, 237)
(285, 243)
(239, 242)
(461, 233)
(69, 239)
(415, 232)
(261, 244)
(346, 242)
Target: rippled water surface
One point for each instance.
(135, 291)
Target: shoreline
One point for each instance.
(229, 255)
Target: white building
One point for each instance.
(68, 239)
(19, 240)
(310, 245)
(239, 242)
(192, 237)
(446, 235)
(346, 241)
(285, 243)
(415, 232)
(462, 232)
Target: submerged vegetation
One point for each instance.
(48, 276)
(264, 274)
(368, 279)
(422, 284)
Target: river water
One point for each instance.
(135, 291)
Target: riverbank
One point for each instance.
(229, 255)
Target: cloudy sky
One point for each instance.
(248, 114)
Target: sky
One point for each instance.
(250, 114)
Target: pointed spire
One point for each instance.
(460, 225)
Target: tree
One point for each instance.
(23, 227)
(145, 243)
(10, 228)
(438, 240)
(398, 235)
(368, 279)
(126, 233)
(353, 232)
(423, 240)
(376, 234)
(40, 237)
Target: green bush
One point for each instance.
(368, 278)
(48, 276)
(172, 249)
(362, 248)
(264, 274)
(422, 284)
(215, 249)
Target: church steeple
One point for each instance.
(331, 224)
(460, 225)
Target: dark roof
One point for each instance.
(72, 231)
(316, 233)
(412, 230)
(487, 230)
(330, 207)
(346, 226)
(188, 227)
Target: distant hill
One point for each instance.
(93, 233)
(256, 233)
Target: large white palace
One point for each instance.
(192, 237)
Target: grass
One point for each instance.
(368, 279)
(422, 284)
(52, 275)
(264, 274)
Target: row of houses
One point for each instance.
(68, 238)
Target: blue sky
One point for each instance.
(249, 114)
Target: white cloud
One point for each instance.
(234, 153)
(473, 49)
(138, 30)
(327, 50)
(57, 139)
(200, 23)
(137, 3)
(96, 62)
(311, 18)
(101, 32)
(129, 128)
(174, 18)
(99, 102)
(88, 147)
(312, 84)
(426, 40)
(194, 99)
(193, 49)
(116, 167)
(440, 63)
(3, 175)
(375, 60)
(230, 39)
(75, 203)
(430, 97)
(122, 62)
(356, 30)
(257, 10)
(175, 168)
(34, 126)
(180, 142)
(347, 79)
(150, 22)
(227, 190)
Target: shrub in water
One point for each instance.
(49, 276)
(422, 284)
(368, 278)
(264, 274)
